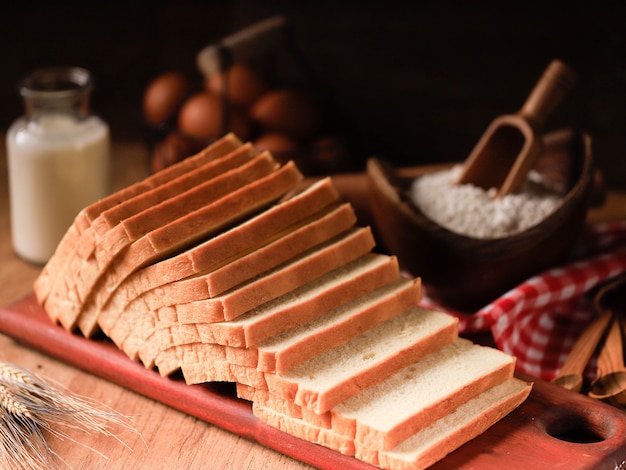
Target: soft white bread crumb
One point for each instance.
(460, 426)
(296, 345)
(335, 375)
(385, 414)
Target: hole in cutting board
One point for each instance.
(578, 426)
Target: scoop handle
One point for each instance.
(242, 45)
(611, 357)
(553, 86)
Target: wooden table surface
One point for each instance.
(166, 439)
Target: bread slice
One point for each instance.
(468, 421)
(288, 349)
(420, 450)
(382, 416)
(260, 230)
(307, 302)
(54, 268)
(334, 376)
(186, 231)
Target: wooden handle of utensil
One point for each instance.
(585, 346)
(611, 357)
(242, 45)
(553, 86)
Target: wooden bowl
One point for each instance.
(467, 273)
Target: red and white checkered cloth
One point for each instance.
(539, 321)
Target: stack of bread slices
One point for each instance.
(227, 267)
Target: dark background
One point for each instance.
(420, 80)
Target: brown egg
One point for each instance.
(288, 111)
(281, 146)
(163, 95)
(201, 118)
(243, 87)
(276, 142)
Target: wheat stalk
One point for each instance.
(29, 406)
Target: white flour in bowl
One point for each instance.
(469, 210)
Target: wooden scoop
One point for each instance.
(571, 374)
(610, 385)
(507, 150)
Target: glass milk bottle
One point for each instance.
(58, 159)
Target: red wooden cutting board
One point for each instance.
(553, 428)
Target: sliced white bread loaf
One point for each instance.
(344, 371)
(184, 232)
(326, 224)
(320, 332)
(280, 219)
(54, 269)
